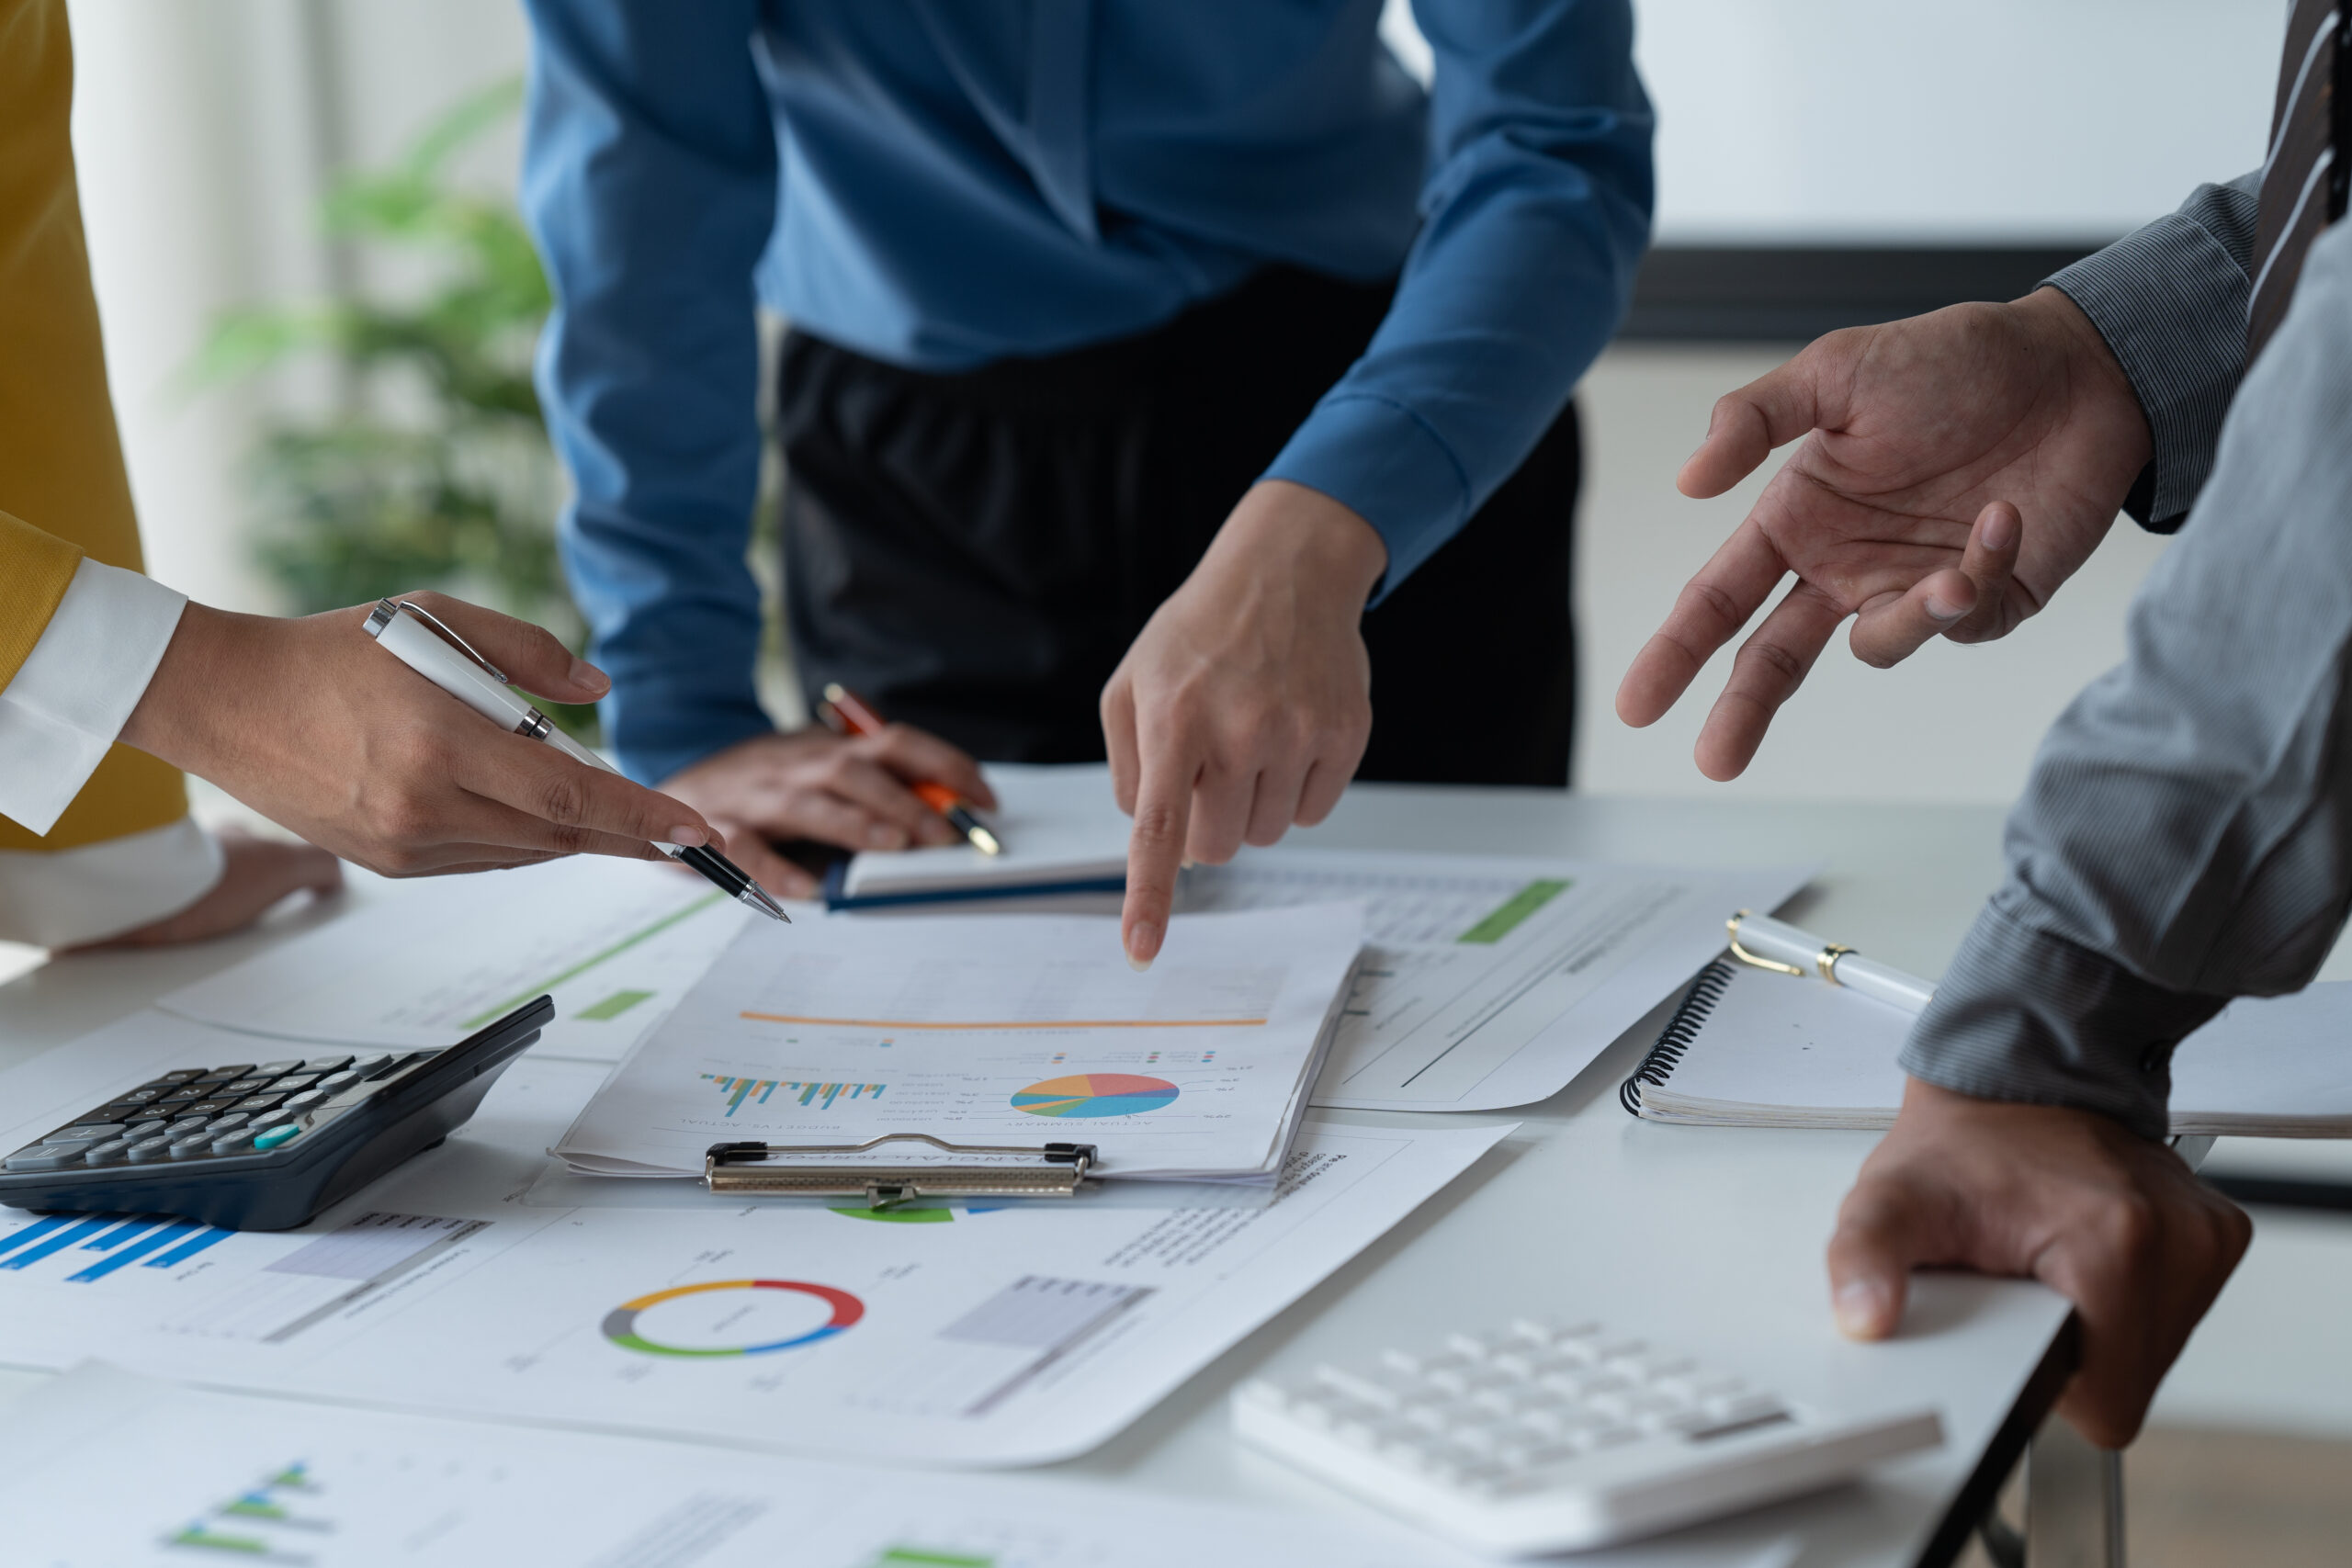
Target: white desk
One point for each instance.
(1709, 1237)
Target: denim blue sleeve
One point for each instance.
(650, 181)
(1535, 213)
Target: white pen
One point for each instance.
(1772, 944)
(417, 639)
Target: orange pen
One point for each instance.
(845, 711)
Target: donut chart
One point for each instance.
(1095, 1094)
(620, 1324)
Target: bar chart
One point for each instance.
(119, 1241)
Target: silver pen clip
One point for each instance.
(386, 609)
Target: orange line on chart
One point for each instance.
(1018, 1023)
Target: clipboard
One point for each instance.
(816, 1170)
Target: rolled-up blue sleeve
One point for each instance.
(650, 182)
(1535, 213)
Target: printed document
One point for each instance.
(990, 1029)
(229, 1478)
(617, 942)
(967, 1336)
(1057, 826)
(1491, 980)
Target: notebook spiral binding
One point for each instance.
(1676, 1037)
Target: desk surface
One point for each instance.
(1708, 1238)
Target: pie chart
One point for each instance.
(1095, 1094)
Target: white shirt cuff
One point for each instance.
(73, 692)
(59, 898)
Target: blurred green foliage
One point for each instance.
(424, 464)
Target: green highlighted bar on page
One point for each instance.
(549, 984)
(916, 1557)
(611, 1007)
(1507, 916)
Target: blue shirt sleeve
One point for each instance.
(1535, 213)
(649, 180)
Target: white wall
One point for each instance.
(205, 130)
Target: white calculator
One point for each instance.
(1547, 1437)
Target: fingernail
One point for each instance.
(1143, 946)
(692, 838)
(1861, 1307)
(588, 677)
(1943, 612)
(2000, 530)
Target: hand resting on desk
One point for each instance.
(2116, 1224)
(1960, 467)
(810, 783)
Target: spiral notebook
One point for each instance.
(1750, 1048)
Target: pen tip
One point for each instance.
(985, 842)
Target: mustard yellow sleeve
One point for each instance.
(62, 484)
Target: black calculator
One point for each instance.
(264, 1146)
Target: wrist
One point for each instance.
(169, 720)
(1321, 545)
(2093, 371)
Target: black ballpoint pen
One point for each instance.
(413, 635)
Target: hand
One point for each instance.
(312, 725)
(1961, 465)
(1245, 704)
(2112, 1222)
(255, 874)
(811, 784)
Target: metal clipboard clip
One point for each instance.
(1054, 1170)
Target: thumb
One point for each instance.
(1769, 412)
(1882, 1231)
(527, 656)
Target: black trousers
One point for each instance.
(975, 552)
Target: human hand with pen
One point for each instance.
(311, 724)
(856, 792)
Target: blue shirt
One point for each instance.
(942, 183)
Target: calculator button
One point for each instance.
(326, 1064)
(336, 1083)
(148, 1150)
(285, 1133)
(237, 1142)
(368, 1062)
(85, 1131)
(182, 1097)
(141, 1096)
(192, 1148)
(255, 1104)
(251, 1084)
(184, 1075)
(274, 1068)
(226, 1075)
(145, 1128)
(304, 1101)
(396, 1065)
(114, 1151)
(231, 1122)
(51, 1156)
(294, 1083)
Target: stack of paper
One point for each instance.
(994, 1030)
(1061, 829)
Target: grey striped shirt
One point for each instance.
(2187, 833)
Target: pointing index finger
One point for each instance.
(1156, 854)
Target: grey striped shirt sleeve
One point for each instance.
(2170, 299)
(2187, 833)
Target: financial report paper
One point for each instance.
(616, 943)
(967, 1337)
(231, 1478)
(1490, 981)
(995, 1029)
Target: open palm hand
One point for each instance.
(1958, 467)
